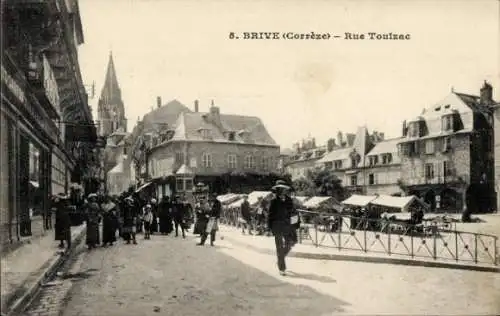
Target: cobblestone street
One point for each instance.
(172, 276)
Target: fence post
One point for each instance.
(456, 245)
(475, 248)
(365, 246)
(316, 231)
(389, 242)
(411, 249)
(434, 245)
(495, 250)
(341, 222)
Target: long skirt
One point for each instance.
(200, 226)
(154, 225)
(166, 226)
(109, 226)
(92, 233)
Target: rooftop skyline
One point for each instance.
(314, 87)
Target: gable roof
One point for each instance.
(386, 147)
(189, 124)
(165, 115)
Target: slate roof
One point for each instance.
(385, 147)
(336, 154)
(188, 127)
(166, 115)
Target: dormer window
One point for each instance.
(205, 133)
(447, 123)
(337, 164)
(231, 136)
(373, 160)
(386, 158)
(414, 129)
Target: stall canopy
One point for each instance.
(253, 198)
(359, 200)
(228, 198)
(302, 199)
(323, 201)
(142, 187)
(399, 202)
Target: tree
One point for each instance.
(320, 182)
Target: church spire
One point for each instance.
(111, 91)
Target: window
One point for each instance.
(446, 144)
(413, 149)
(329, 165)
(447, 169)
(249, 162)
(124, 150)
(354, 180)
(231, 136)
(414, 130)
(373, 160)
(429, 146)
(371, 179)
(206, 133)
(338, 164)
(386, 159)
(447, 123)
(206, 160)
(264, 163)
(188, 184)
(179, 185)
(429, 171)
(179, 157)
(231, 161)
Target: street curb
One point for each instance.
(50, 269)
(367, 259)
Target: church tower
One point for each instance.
(111, 111)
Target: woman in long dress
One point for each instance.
(109, 221)
(63, 220)
(93, 215)
(129, 221)
(165, 216)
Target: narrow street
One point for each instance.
(172, 276)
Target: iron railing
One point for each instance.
(428, 240)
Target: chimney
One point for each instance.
(405, 129)
(381, 136)
(486, 94)
(340, 138)
(330, 145)
(196, 106)
(158, 101)
(215, 114)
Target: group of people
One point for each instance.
(126, 215)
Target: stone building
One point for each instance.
(447, 153)
(227, 152)
(496, 124)
(366, 164)
(47, 133)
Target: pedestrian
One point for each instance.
(165, 216)
(148, 221)
(154, 210)
(212, 224)
(63, 220)
(129, 214)
(280, 223)
(178, 212)
(93, 214)
(109, 222)
(246, 215)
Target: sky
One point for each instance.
(299, 88)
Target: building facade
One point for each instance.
(44, 104)
(447, 153)
(227, 152)
(496, 126)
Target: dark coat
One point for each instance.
(279, 214)
(62, 227)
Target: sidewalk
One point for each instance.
(25, 268)
(265, 245)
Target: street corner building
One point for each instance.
(47, 131)
(447, 155)
(176, 147)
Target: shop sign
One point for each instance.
(50, 85)
(13, 85)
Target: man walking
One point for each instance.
(212, 225)
(279, 222)
(246, 215)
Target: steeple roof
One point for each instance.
(111, 92)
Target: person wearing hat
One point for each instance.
(213, 216)
(246, 216)
(154, 210)
(129, 220)
(179, 213)
(93, 216)
(279, 222)
(148, 220)
(62, 227)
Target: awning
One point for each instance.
(253, 197)
(316, 201)
(349, 172)
(302, 199)
(142, 187)
(359, 200)
(228, 198)
(400, 202)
